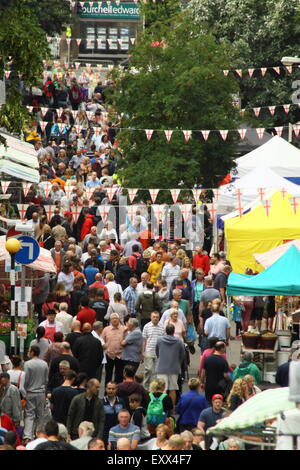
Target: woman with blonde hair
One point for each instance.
(161, 438)
(180, 330)
(252, 388)
(180, 255)
(158, 390)
(186, 264)
(238, 394)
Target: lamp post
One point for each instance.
(12, 246)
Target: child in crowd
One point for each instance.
(237, 312)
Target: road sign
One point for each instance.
(12, 233)
(29, 251)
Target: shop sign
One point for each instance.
(128, 11)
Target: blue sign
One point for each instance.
(29, 251)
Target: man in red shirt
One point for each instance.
(86, 314)
(132, 260)
(201, 260)
(98, 284)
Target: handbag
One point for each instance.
(23, 400)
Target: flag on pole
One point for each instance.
(175, 194)
(153, 194)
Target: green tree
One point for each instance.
(52, 15)
(260, 33)
(23, 46)
(177, 85)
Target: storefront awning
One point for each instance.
(22, 172)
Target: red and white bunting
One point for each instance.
(50, 211)
(4, 186)
(76, 210)
(239, 72)
(97, 130)
(168, 134)
(22, 208)
(216, 195)
(77, 65)
(73, 4)
(286, 107)
(91, 4)
(196, 194)
(59, 112)
(294, 204)
(99, 44)
(131, 212)
(89, 115)
(277, 70)
(89, 44)
(212, 209)
(30, 108)
(260, 132)
(149, 133)
(132, 40)
(81, 4)
(68, 41)
(224, 134)
(283, 193)
(43, 125)
(153, 194)
(296, 129)
(289, 68)
(242, 133)
(26, 187)
(186, 210)
(74, 113)
(117, 2)
(205, 134)
(78, 129)
(7, 74)
(135, 1)
(44, 111)
(263, 71)
(109, 42)
(120, 42)
(47, 188)
(132, 193)
(49, 39)
(272, 109)
(226, 72)
(279, 130)
(267, 206)
(110, 193)
(256, 111)
(68, 191)
(175, 194)
(187, 135)
(242, 112)
(89, 192)
(158, 210)
(61, 126)
(261, 193)
(89, 65)
(250, 71)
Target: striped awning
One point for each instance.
(263, 406)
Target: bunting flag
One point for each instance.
(242, 133)
(59, 112)
(277, 70)
(89, 192)
(149, 133)
(68, 191)
(132, 194)
(47, 188)
(224, 134)
(7, 74)
(4, 186)
(196, 194)
(99, 44)
(272, 110)
(49, 39)
(49, 209)
(286, 107)
(89, 65)
(120, 42)
(110, 193)
(250, 71)
(78, 129)
(153, 194)
(68, 41)
(61, 126)
(185, 210)
(216, 195)
(283, 193)
(242, 112)
(296, 129)
(212, 209)
(91, 4)
(263, 71)
(22, 208)
(44, 111)
(267, 205)
(226, 72)
(117, 2)
(74, 112)
(168, 135)
(89, 115)
(77, 65)
(81, 4)
(205, 134)
(76, 210)
(175, 194)
(43, 125)
(58, 42)
(260, 132)
(261, 193)
(158, 210)
(239, 72)
(289, 68)
(279, 130)
(30, 108)
(109, 42)
(256, 111)
(26, 187)
(131, 212)
(294, 203)
(132, 40)
(187, 135)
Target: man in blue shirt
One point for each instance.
(190, 405)
(124, 429)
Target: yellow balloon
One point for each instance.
(13, 245)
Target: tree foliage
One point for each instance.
(260, 33)
(176, 85)
(52, 15)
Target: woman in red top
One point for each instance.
(6, 423)
(202, 261)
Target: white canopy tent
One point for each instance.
(19, 159)
(277, 154)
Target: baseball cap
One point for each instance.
(217, 396)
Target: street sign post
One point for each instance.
(29, 251)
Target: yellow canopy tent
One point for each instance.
(257, 232)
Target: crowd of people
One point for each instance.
(126, 308)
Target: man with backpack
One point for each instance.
(146, 303)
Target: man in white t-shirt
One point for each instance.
(171, 271)
(40, 437)
(142, 286)
(97, 332)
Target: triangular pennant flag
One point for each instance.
(158, 210)
(43, 125)
(279, 130)
(131, 211)
(59, 112)
(250, 71)
(44, 110)
(132, 40)
(74, 112)
(117, 2)
(26, 187)
(205, 134)
(47, 188)
(109, 42)
(256, 111)
(68, 190)
(212, 209)
(149, 133)
(286, 107)
(289, 68)
(196, 194)
(242, 133)
(261, 193)
(239, 72)
(187, 135)
(186, 210)
(99, 44)
(168, 134)
(68, 40)
(175, 194)
(226, 72)
(50, 211)
(49, 39)
(267, 205)
(58, 40)
(76, 210)
(272, 109)
(22, 208)
(78, 129)
(296, 129)
(120, 41)
(263, 71)
(7, 74)
(4, 186)
(132, 193)
(294, 203)
(89, 192)
(73, 4)
(81, 4)
(91, 4)
(30, 108)
(89, 65)
(224, 134)
(77, 65)
(61, 126)
(89, 115)
(153, 194)
(277, 70)
(260, 132)
(110, 193)
(283, 193)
